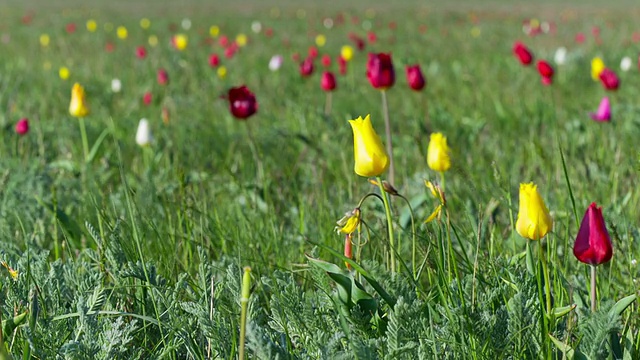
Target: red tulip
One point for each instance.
(313, 52)
(109, 47)
(342, 64)
(242, 102)
(523, 53)
(580, 38)
(306, 67)
(415, 77)
(141, 52)
(163, 77)
(268, 32)
(328, 81)
(380, 71)
(22, 126)
(358, 41)
(146, 99)
(223, 41)
(609, 79)
(371, 36)
(593, 245)
(214, 60)
(71, 28)
(230, 51)
(326, 60)
(546, 71)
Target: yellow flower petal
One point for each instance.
(371, 158)
(438, 153)
(434, 214)
(534, 221)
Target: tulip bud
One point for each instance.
(328, 81)
(22, 126)
(380, 71)
(523, 54)
(163, 77)
(597, 65)
(534, 221)
(609, 79)
(546, 71)
(275, 63)
(146, 98)
(371, 158)
(141, 52)
(78, 106)
(214, 60)
(180, 41)
(242, 102)
(306, 67)
(143, 134)
(593, 244)
(415, 78)
(438, 157)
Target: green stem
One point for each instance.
(413, 238)
(85, 142)
(387, 131)
(545, 271)
(387, 210)
(593, 288)
(244, 301)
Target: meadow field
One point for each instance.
(151, 207)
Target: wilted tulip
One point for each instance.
(328, 81)
(306, 67)
(22, 126)
(604, 111)
(371, 158)
(380, 71)
(593, 245)
(163, 76)
(78, 106)
(275, 63)
(534, 221)
(143, 134)
(415, 77)
(438, 153)
(609, 79)
(242, 102)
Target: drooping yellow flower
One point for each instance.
(222, 71)
(371, 158)
(349, 222)
(145, 23)
(214, 31)
(64, 73)
(92, 25)
(346, 52)
(241, 40)
(534, 221)
(78, 106)
(437, 193)
(44, 40)
(122, 32)
(180, 41)
(597, 65)
(438, 153)
(321, 40)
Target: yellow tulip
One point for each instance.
(122, 32)
(534, 221)
(44, 40)
(241, 40)
(597, 65)
(438, 153)
(222, 72)
(78, 106)
(371, 158)
(349, 222)
(92, 25)
(346, 52)
(145, 23)
(321, 40)
(180, 41)
(214, 31)
(153, 40)
(63, 72)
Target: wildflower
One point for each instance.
(346, 52)
(44, 40)
(163, 76)
(241, 40)
(146, 98)
(92, 25)
(116, 85)
(438, 157)
(122, 32)
(534, 221)
(180, 41)
(560, 56)
(275, 63)
(625, 64)
(523, 53)
(604, 111)
(326, 60)
(22, 126)
(256, 27)
(593, 245)
(348, 224)
(415, 77)
(214, 60)
(380, 71)
(153, 40)
(13, 273)
(78, 106)
(214, 31)
(546, 71)
(145, 23)
(64, 73)
(609, 79)
(371, 158)
(306, 67)
(143, 134)
(242, 102)
(141, 52)
(328, 81)
(321, 40)
(437, 193)
(597, 65)
(222, 72)
(342, 64)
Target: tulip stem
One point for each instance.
(254, 152)
(85, 142)
(387, 131)
(327, 104)
(387, 210)
(545, 271)
(593, 288)
(244, 301)
(413, 237)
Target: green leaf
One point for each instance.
(10, 324)
(622, 304)
(96, 145)
(562, 311)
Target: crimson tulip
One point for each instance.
(328, 81)
(546, 71)
(306, 67)
(163, 77)
(593, 244)
(609, 79)
(523, 53)
(242, 102)
(414, 77)
(380, 71)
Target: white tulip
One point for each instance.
(561, 56)
(116, 85)
(186, 23)
(143, 135)
(256, 27)
(626, 63)
(275, 63)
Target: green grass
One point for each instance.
(138, 253)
